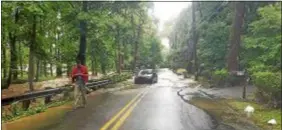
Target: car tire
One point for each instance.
(135, 81)
(151, 81)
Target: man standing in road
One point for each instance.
(79, 77)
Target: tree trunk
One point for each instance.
(133, 40)
(21, 59)
(235, 37)
(45, 68)
(51, 64)
(37, 70)
(83, 31)
(119, 59)
(136, 45)
(116, 59)
(103, 66)
(3, 49)
(14, 66)
(13, 59)
(95, 61)
(92, 67)
(59, 64)
(58, 57)
(118, 64)
(68, 69)
(194, 32)
(122, 61)
(13, 53)
(31, 55)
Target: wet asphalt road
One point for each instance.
(157, 108)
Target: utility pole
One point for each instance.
(194, 33)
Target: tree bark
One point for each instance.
(235, 37)
(83, 31)
(31, 55)
(45, 68)
(21, 59)
(3, 49)
(92, 67)
(95, 61)
(194, 34)
(13, 53)
(136, 45)
(58, 56)
(37, 70)
(103, 66)
(51, 64)
(59, 64)
(133, 40)
(118, 64)
(68, 69)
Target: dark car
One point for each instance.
(146, 76)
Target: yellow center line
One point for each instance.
(106, 126)
(127, 114)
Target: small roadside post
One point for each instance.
(243, 74)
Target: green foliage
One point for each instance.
(269, 84)
(220, 77)
(265, 37)
(268, 80)
(112, 28)
(262, 53)
(118, 77)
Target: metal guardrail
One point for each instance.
(50, 92)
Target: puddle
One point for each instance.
(39, 121)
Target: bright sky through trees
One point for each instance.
(168, 10)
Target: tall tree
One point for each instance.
(13, 51)
(194, 33)
(31, 54)
(83, 31)
(235, 37)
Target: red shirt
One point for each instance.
(83, 70)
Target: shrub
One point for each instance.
(269, 86)
(206, 74)
(118, 77)
(219, 77)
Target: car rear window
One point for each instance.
(143, 72)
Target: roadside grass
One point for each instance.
(17, 111)
(261, 114)
(231, 112)
(224, 114)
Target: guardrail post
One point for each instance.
(26, 103)
(66, 94)
(47, 99)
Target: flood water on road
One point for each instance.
(160, 108)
